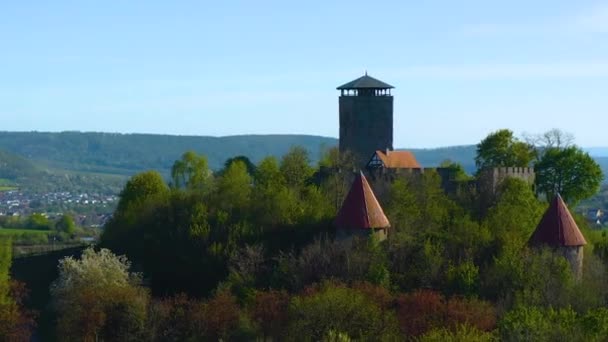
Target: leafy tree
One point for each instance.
(138, 189)
(234, 189)
(251, 168)
(569, 172)
(66, 224)
(97, 297)
(139, 199)
(295, 167)
(336, 168)
(191, 172)
(502, 149)
(38, 221)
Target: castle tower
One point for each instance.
(366, 117)
(557, 229)
(361, 214)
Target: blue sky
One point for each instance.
(461, 68)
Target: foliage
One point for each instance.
(423, 310)
(97, 297)
(529, 323)
(461, 333)
(338, 308)
(191, 172)
(569, 172)
(503, 149)
(66, 224)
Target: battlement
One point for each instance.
(513, 171)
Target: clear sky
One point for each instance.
(461, 68)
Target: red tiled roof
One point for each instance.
(557, 228)
(360, 208)
(398, 159)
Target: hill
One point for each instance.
(130, 153)
(16, 171)
(76, 159)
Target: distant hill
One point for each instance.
(16, 171)
(130, 153)
(71, 158)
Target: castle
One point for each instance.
(366, 131)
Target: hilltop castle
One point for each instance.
(366, 131)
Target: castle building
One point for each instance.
(361, 214)
(393, 160)
(366, 117)
(558, 230)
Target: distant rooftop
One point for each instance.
(365, 82)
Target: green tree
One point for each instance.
(38, 221)
(191, 172)
(98, 298)
(66, 224)
(251, 169)
(503, 149)
(295, 167)
(570, 172)
(234, 189)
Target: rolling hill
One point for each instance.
(103, 160)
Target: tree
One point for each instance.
(251, 169)
(66, 224)
(191, 172)
(234, 188)
(336, 168)
(502, 149)
(97, 297)
(570, 172)
(295, 167)
(38, 221)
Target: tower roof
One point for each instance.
(557, 228)
(360, 209)
(365, 82)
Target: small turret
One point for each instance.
(557, 229)
(361, 214)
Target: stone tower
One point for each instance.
(558, 230)
(366, 117)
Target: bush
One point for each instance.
(338, 308)
(424, 310)
(461, 333)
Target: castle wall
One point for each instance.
(366, 125)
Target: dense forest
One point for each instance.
(249, 252)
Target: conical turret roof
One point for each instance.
(361, 209)
(557, 228)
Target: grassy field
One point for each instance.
(7, 188)
(15, 231)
